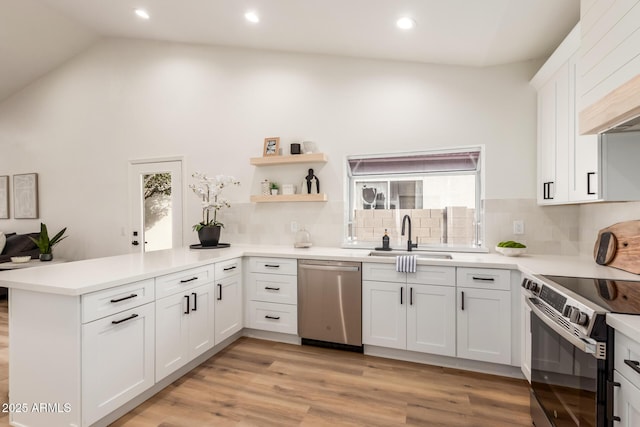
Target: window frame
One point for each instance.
(351, 181)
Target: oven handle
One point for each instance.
(586, 347)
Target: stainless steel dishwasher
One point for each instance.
(330, 303)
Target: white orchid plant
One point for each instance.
(209, 190)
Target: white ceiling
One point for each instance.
(461, 32)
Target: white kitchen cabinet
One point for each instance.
(272, 294)
(228, 307)
(408, 315)
(525, 335)
(431, 319)
(117, 360)
(384, 314)
(626, 398)
(185, 328)
(484, 315)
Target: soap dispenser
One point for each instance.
(385, 241)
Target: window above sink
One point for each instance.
(440, 190)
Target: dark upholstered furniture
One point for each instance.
(19, 245)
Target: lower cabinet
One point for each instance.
(413, 317)
(626, 402)
(117, 360)
(484, 325)
(184, 328)
(228, 307)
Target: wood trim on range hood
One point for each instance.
(619, 106)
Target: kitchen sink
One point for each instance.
(420, 255)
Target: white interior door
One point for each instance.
(156, 205)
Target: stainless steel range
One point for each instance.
(572, 347)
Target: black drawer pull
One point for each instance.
(272, 317)
(271, 289)
(411, 296)
(187, 297)
(462, 301)
(219, 292)
(486, 279)
(633, 364)
(229, 268)
(116, 322)
(195, 301)
(272, 265)
(189, 280)
(401, 295)
(124, 298)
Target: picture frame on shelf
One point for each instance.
(25, 196)
(271, 147)
(4, 197)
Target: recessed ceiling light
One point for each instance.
(405, 23)
(252, 17)
(141, 13)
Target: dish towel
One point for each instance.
(406, 263)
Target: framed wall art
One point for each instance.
(4, 197)
(271, 146)
(25, 196)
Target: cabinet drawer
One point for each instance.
(268, 316)
(433, 275)
(183, 280)
(382, 273)
(228, 268)
(111, 301)
(274, 265)
(484, 278)
(627, 349)
(273, 288)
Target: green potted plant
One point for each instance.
(274, 188)
(46, 244)
(209, 190)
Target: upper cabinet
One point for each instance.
(574, 168)
(610, 58)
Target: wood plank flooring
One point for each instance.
(262, 383)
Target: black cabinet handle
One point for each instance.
(462, 303)
(633, 364)
(124, 298)
(189, 280)
(116, 322)
(544, 191)
(272, 317)
(485, 279)
(195, 301)
(549, 196)
(219, 292)
(229, 268)
(271, 289)
(187, 297)
(401, 295)
(272, 265)
(589, 175)
(411, 296)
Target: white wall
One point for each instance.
(123, 99)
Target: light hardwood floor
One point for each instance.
(262, 383)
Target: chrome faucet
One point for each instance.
(410, 245)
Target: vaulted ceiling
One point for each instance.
(36, 36)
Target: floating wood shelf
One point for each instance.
(286, 160)
(290, 198)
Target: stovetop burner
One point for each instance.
(616, 296)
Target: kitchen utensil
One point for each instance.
(618, 246)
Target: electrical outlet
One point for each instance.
(294, 226)
(518, 227)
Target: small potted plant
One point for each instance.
(45, 244)
(209, 190)
(274, 188)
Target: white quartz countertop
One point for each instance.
(625, 323)
(81, 277)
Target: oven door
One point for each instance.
(568, 383)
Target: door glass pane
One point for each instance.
(157, 211)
